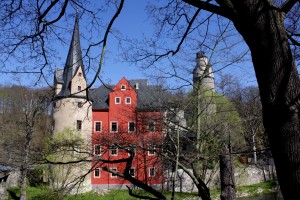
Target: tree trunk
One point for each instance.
(227, 176)
(263, 30)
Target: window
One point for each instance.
(79, 88)
(114, 127)
(151, 150)
(79, 125)
(113, 169)
(79, 104)
(128, 100)
(113, 150)
(79, 74)
(123, 87)
(132, 172)
(117, 100)
(97, 149)
(151, 171)
(151, 127)
(98, 126)
(133, 150)
(131, 127)
(97, 173)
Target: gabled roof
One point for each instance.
(99, 96)
(73, 62)
(149, 97)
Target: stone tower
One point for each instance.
(202, 74)
(72, 113)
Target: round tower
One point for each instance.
(202, 74)
(72, 119)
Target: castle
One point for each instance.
(118, 122)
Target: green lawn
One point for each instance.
(38, 193)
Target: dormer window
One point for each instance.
(123, 87)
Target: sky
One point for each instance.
(133, 23)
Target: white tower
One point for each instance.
(202, 74)
(72, 113)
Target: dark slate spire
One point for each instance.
(74, 59)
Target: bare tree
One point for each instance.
(273, 48)
(25, 122)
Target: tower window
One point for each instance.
(79, 88)
(79, 104)
(79, 125)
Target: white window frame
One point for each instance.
(133, 172)
(111, 126)
(149, 171)
(116, 100)
(111, 174)
(149, 151)
(95, 126)
(100, 150)
(123, 86)
(129, 131)
(110, 150)
(95, 173)
(129, 100)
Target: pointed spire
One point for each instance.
(74, 58)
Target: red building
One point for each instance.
(124, 122)
(126, 117)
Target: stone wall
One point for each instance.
(12, 181)
(244, 175)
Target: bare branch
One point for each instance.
(287, 6)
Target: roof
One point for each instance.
(73, 62)
(148, 96)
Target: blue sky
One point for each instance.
(132, 23)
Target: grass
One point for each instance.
(43, 192)
(260, 188)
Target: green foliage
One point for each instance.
(63, 145)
